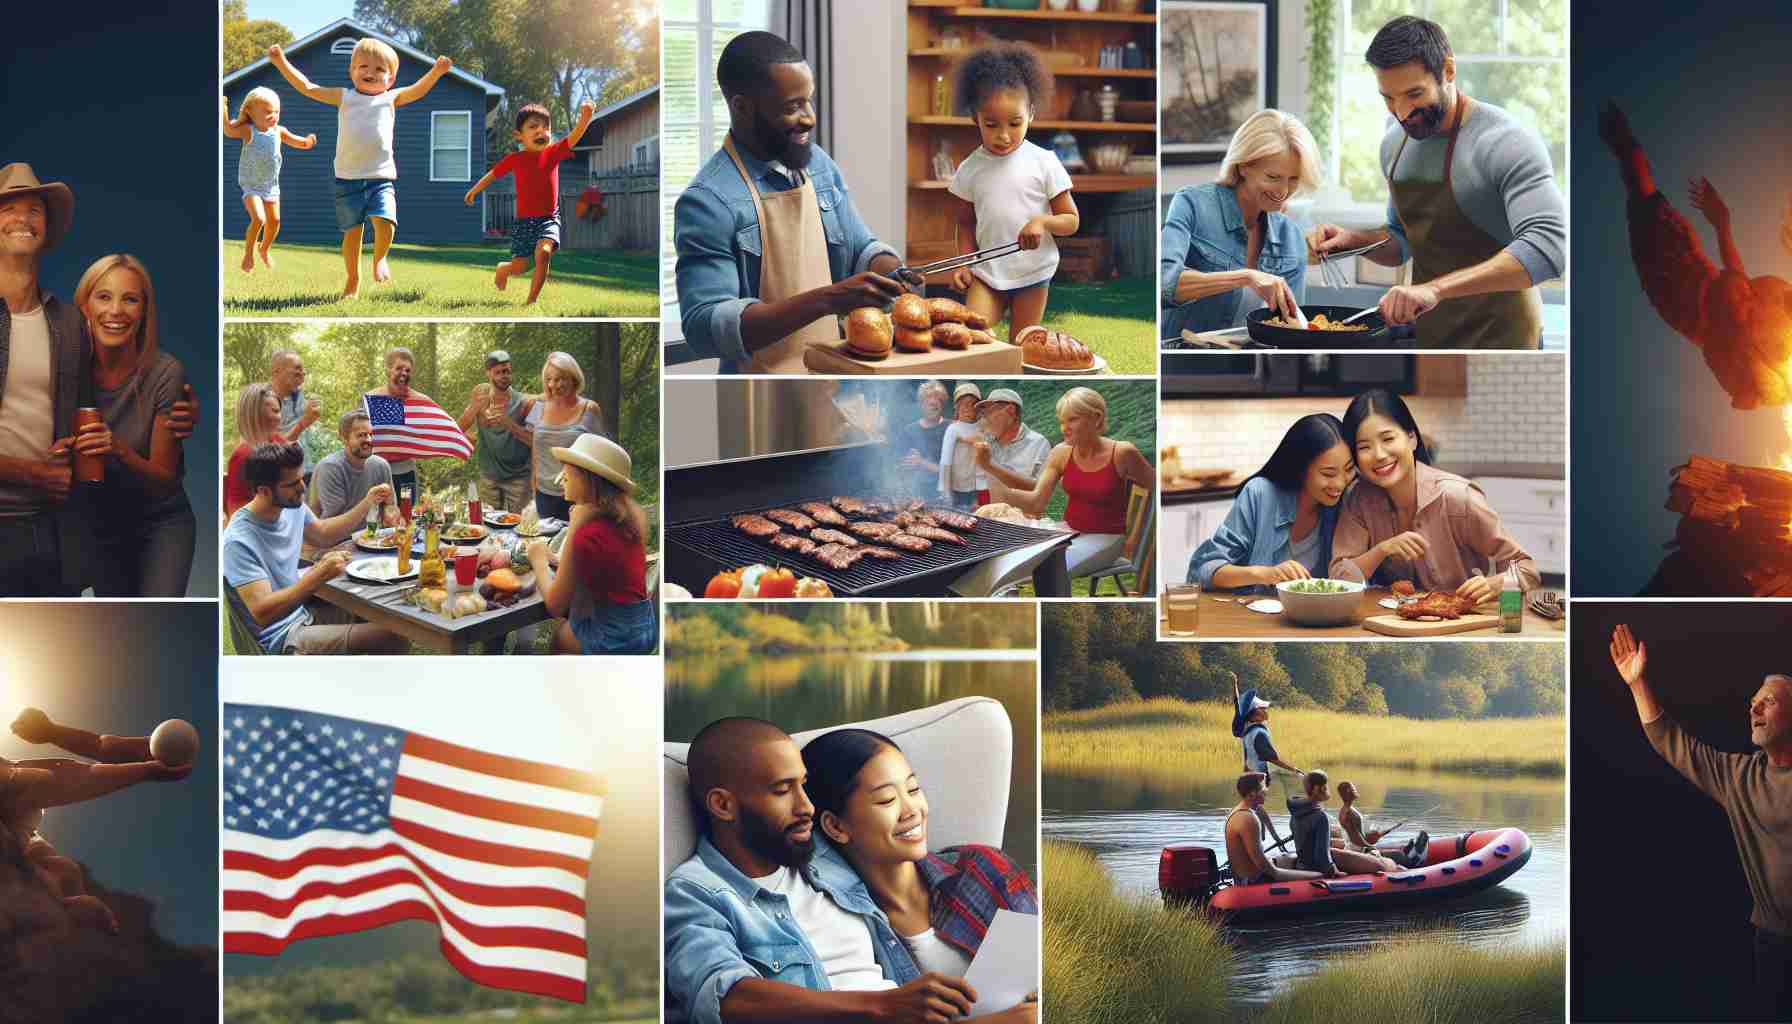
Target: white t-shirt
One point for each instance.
(958, 462)
(364, 135)
(27, 409)
(1008, 191)
(931, 953)
(839, 938)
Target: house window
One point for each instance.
(343, 47)
(1513, 54)
(451, 145)
(647, 151)
(693, 117)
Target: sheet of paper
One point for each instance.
(1006, 967)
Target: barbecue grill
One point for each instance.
(701, 542)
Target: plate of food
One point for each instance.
(1055, 352)
(1100, 365)
(503, 519)
(379, 570)
(460, 532)
(381, 540)
(540, 528)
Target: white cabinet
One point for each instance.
(1535, 513)
(1181, 529)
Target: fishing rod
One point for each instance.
(1395, 828)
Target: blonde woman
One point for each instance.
(1095, 472)
(600, 590)
(557, 420)
(257, 422)
(1231, 236)
(257, 126)
(144, 525)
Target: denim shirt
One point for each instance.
(1257, 531)
(723, 928)
(716, 234)
(1205, 231)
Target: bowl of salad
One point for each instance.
(1320, 602)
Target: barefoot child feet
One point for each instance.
(1013, 191)
(537, 170)
(257, 125)
(365, 168)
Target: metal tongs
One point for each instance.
(918, 275)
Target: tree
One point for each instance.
(1459, 697)
(1108, 684)
(1331, 674)
(245, 41)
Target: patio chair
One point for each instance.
(1139, 553)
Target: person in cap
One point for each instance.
(46, 543)
(503, 438)
(1250, 723)
(1015, 454)
(600, 589)
(959, 480)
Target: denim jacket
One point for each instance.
(723, 928)
(1205, 231)
(71, 358)
(1257, 532)
(716, 235)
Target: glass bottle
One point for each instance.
(432, 572)
(474, 515)
(1511, 601)
(942, 106)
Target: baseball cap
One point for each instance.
(967, 388)
(495, 357)
(999, 395)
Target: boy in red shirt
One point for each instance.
(537, 170)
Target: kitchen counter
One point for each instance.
(1224, 617)
(1517, 470)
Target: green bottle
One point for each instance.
(1511, 601)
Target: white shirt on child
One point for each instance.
(839, 938)
(364, 135)
(1008, 191)
(958, 462)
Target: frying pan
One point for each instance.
(1293, 337)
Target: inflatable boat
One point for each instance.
(1454, 866)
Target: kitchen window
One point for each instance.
(693, 116)
(451, 145)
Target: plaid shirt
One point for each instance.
(967, 885)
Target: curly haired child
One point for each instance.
(257, 125)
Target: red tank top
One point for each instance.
(1097, 499)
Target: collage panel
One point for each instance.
(1354, 493)
(107, 319)
(523, 143)
(517, 514)
(1273, 831)
(404, 847)
(108, 802)
(826, 761)
(864, 488)
(908, 188)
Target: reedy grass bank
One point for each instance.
(1171, 735)
(1433, 978)
(1117, 959)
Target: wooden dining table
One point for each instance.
(1224, 616)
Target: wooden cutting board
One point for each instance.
(997, 358)
(1394, 625)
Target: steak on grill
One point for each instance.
(822, 513)
(845, 540)
(755, 526)
(790, 517)
(935, 533)
(886, 554)
(852, 506)
(835, 556)
(956, 520)
(791, 542)
(875, 531)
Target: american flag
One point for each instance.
(414, 428)
(333, 825)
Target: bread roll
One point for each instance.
(911, 312)
(868, 331)
(952, 335)
(1054, 350)
(910, 340)
(979, 337)
(974, 320)
(946, 311)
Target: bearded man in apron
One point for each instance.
(770, 248)
(1472, 200)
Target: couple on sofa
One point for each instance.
(813, 893)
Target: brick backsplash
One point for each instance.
(1515, 412)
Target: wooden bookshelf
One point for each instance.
(1072, 42)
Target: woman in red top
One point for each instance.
(257, 423)
(1095, 472)
(601, 588)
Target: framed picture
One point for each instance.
(1217, 67)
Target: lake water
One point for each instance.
(1126, 822)
(812, 691)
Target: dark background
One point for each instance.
(1659, 902)
(123, 109)
(1701, 85)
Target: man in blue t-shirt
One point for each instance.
(261, 561)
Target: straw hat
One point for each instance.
(59, 202)
(602, 456)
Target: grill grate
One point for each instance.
(715, 540)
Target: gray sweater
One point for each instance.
(1757, 798)
(1501, 178)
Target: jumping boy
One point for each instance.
(365, 167)
(537, 170)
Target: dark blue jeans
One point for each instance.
(619, 629)
(30, 558)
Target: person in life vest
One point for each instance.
(1250, 723)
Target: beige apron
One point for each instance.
(1442, 239)
(793, 259)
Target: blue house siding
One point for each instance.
(428, 211)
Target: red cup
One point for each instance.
(466, 566)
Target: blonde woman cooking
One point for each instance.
(557, 420)
(600, 589)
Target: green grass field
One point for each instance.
(1177, 736)
(439, 281)
(1433, 978)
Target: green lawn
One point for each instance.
(439, 280)
(1117, 319)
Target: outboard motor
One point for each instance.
(1187, 873)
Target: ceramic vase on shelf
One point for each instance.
(1109, 101)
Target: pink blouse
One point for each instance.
(1462, 533)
